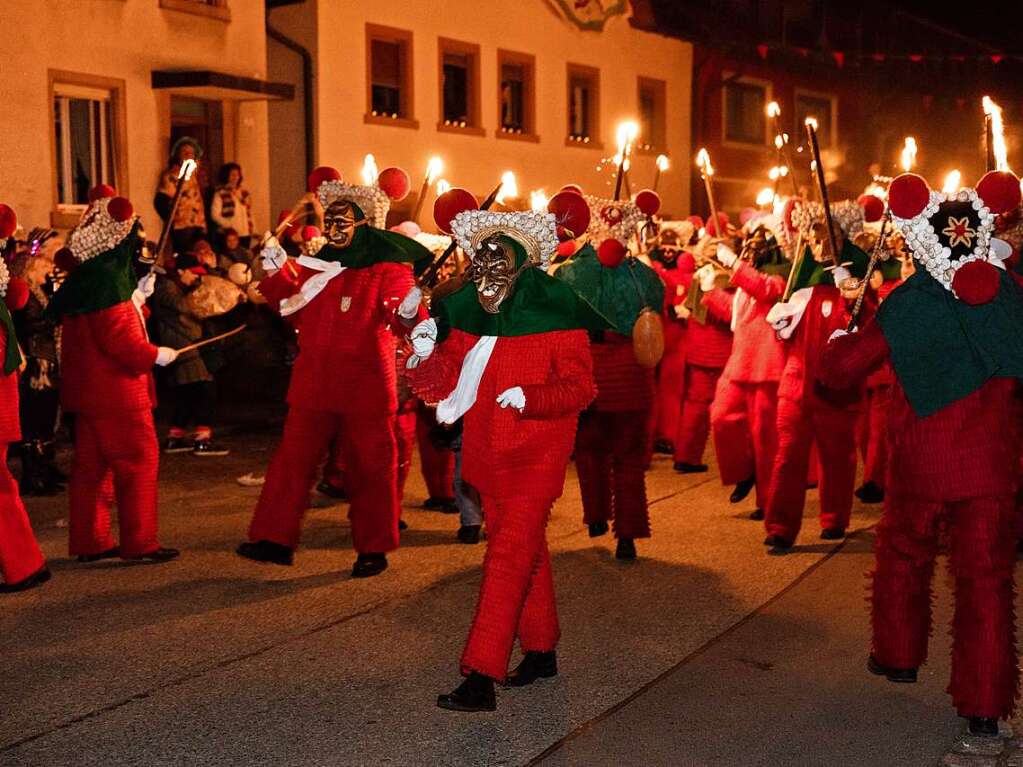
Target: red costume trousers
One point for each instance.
(20, 556)
(370, 457)
(404, 436)
(742, 417)
(117, 451)
(698, 390)
(982, 545)
(517, 592)
(610, 457)
(670, 375)
(437, 464)
(799, 427)
(872, 434)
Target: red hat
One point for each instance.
(571, 214)
(454, 201)
(8, 221)
(648, 201)
(321, 174)
(611, 253)
(100, 191)
(395, 183)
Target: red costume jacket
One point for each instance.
(504, 452)
(345, 337)
(106, 362)
(757, 356)
(710, 344)
(622, 383)
(10, 425)
(965, 450)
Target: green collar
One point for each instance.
(12, 354)
(373, 246)
(99, 283)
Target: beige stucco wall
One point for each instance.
(621, 52)
(124, 39)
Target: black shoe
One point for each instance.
(597, 529)
(778, 546)
(832, 533)
(469, 534)
(402, 525)
(664, 447)
(35, 478)
(626, 549)
(984, 726)
(207, 447)
(178, 445)
(535, 665)
(869, 492)
(756, 515)
(368, 565)
(690, 468)
(742, 489)
(898, 675)
(476, 693)
(38, 578)
(113, 553)
(443, 505)
(266, 551)
(331, 491)
(156, 555)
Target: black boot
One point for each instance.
(984, 726)
(832, 533)
(469, 534)
(331, 491)
(626, 549)
(664, 447)
(266, 551)
(159, 556)
(113, 553)
(898, 675)
(778, 545)
(742, 489)
(535, 665)
(476, 693)
(690, 468)
(869, 492)
(368, 565)
(597, 529)
(39, 577)
(756, 515)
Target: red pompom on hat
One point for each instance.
(1000, 191)
(611, 253)
(310, 233)
(976, 282)
(321, 174)
(572, 214)
(567, 248)
(873, 207)
(120, 209)
(696, 221)
(395, 183)
(17, 294)
(908, 195)
(790, 208)
(101, 191)
(450, 204)
(8, 220)
(713, 228)
(573, 188)
(648, 201)
(64, 259)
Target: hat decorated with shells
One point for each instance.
(107, 221)
(374, 200)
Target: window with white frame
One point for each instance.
(83, 140)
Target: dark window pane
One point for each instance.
(744, 113)
(387, 77)
(456, 93)
(513, 97)
(579, 110)
(648, 118)
(818, 108)
(82, 158)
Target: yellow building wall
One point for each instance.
(125, 39)
(621, 52)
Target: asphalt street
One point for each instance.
(705, 651)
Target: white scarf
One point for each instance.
(457, 404)
(312, 287)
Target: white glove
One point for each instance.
(165, 356)
(682, 311)
(840, 274)
(147, 284)
(838, 333)
(273, 256)
(706, 275)
(513, 397)
(424, 339)
(409, 307)
(726, 255)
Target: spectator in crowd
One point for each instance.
(233, 251)
(188, 224)
(231, 206)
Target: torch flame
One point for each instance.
(765, 196)
(998, 134)
(812, 122)
(703, 162)
(369, 170)
(509, 187)
(442, 187)
(783, 170)
(773, 110)
(909, 154)
(779, 142)
(662, 163)
(187, 169)
(951, 185)
(538, 200)
(627, 132)
(433, 169)
(774, 173)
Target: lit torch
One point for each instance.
(766, 196)
(994, 135)
(185, 173)
(706, 171)
(433, 169)
(908, 154)
(538, 200)
(627, 133)
(509, 188)
(369, 170)
(443, 187)
(662, 165)
(952, 181)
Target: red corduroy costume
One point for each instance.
(805, 417)
(106, 380)
(343, 383)
(20, 556)
(517, 462)
(957, 467)
(671, 370)
(436, 463)
(612, 443)
(744, 410)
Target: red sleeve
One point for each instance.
(765, 288)
(396, 284)
(719, 305)
(280, 286)
(119, 334)
(850, 359)
(572, 388)
(436, 376)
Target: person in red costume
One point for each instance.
(347, 303)
(805, 415)
(951, 333)
(509, 353)
(613, 443)
(744, 410)
(107, 382)
(21, 562)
